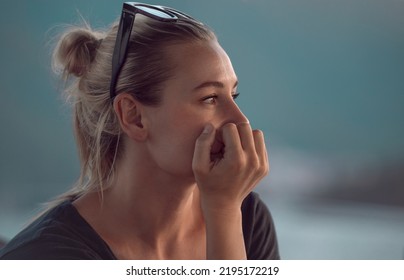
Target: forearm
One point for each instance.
(224, 235)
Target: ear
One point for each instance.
(129, 113)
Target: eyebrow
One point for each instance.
(216, 84)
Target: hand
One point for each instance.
(226, 181)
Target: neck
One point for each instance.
(147, 212)
(157, 207)
(153, 206)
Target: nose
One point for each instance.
(233, 114)
(230, 113)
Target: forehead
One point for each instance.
(199, 62)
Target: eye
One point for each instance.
(211, 99)
(235, 95)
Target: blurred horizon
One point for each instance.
(324, 80)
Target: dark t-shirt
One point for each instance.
(63, 234)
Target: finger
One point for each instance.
(246, 137)
(201, 160)
(231, 140)
(260, 148)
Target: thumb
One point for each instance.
(201, 160)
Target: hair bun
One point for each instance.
(76, 50)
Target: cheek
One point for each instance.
(172, 141)
(183, 136)
(175, 152)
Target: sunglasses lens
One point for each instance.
(156, 12)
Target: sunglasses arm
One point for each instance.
(121, 48)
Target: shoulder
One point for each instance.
(61, 234)
(254, 210)
(2, 243)
(259, 229)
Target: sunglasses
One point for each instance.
(129, 11)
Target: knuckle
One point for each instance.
(244, 125)
(264, 169)
(237, 165)
(258, 167)
(255, 164)
(229, 127)
(258, 133)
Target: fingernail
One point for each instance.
(207, 129)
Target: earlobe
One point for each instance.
(129, 113)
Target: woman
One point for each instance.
(168, 161)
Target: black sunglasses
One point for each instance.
(129, 10)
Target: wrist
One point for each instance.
(224, 233)
(220, 207)
(222, 216)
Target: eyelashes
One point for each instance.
(212, 99)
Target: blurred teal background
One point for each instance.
(323, 79)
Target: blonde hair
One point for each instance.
(83, 57)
